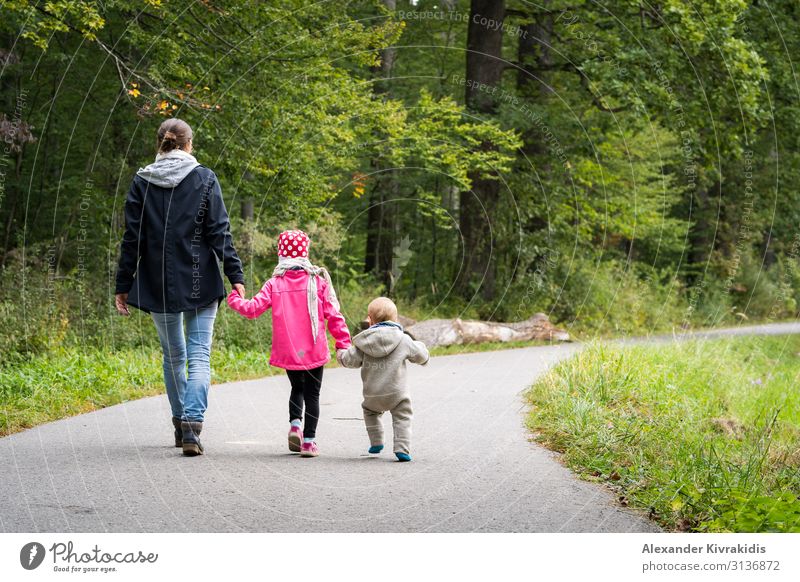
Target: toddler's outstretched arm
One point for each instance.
(419, 353)
(255, 306)
(350, 358)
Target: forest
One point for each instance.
(625, 167)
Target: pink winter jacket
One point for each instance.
(293, 347)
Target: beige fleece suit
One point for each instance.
(381, 352)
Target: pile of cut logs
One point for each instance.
(448, 332)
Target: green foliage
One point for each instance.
(703, 434)
(442, 140)
(777, 513)
(43, 20)
(288, 109)
(609, 297)
(625, 195)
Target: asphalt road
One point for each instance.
(781, 328)
(474, 468)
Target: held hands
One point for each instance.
(239, 288)
(121, 303)
(339, 356)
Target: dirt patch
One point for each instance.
(728, 426)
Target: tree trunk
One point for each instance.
(533, 52)
(373, 231)
(381, 230)
(248, 211)
(381, 213)
(701, 237)
(484, 53)
(533, 79)
(9, 226)
(478, 206)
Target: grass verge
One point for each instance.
(68, 382)
(703, 435)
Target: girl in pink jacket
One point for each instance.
(302, 300)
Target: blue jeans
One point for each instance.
(188, 396)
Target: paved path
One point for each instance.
(474, 468)
(785, 328)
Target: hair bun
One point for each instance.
(172, 134)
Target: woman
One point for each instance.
(176, 230)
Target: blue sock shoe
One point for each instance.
(296, 422)
(403, 457)
(305, 440)
(375, 449)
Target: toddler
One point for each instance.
(381, 352)
(302, 299)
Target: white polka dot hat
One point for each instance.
(293, 244)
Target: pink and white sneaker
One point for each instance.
(309, 450)
(295, 439)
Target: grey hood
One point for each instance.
(169, 169)
(379, 342)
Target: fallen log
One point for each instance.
(448, 332)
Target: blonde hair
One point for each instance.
(382, 309)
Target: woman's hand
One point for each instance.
(239, 288)
(121, 303)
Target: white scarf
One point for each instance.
(169, 169)
(288, 263)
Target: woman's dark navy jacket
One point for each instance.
(173, 240)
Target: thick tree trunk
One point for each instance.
(478, 206)
(373, 232)
(389, 54)
(533, 52)
(535, 58)
(12, 201)
(381, 213)
(484, 53)
(248, 211)
(701, 235)
(381, 231)
(533, 78)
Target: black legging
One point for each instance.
(305, 388)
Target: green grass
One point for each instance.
(702, 435)
(68, 382)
